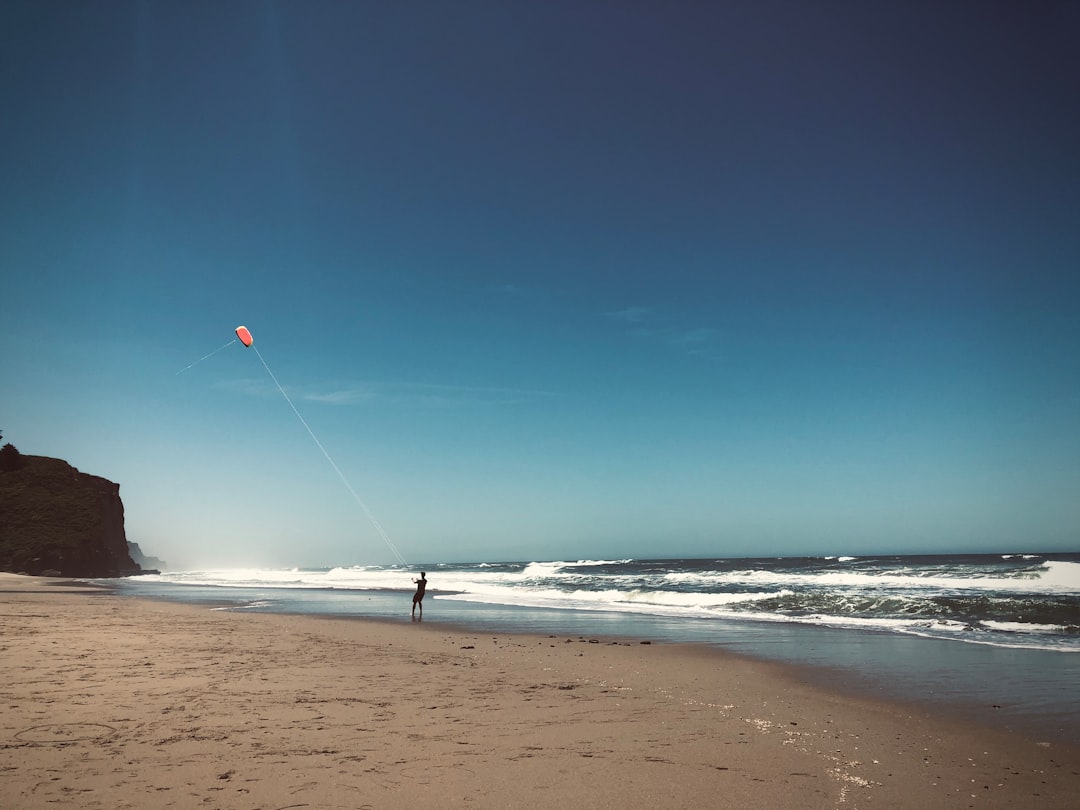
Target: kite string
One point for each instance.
(348, 486)
(215, 351)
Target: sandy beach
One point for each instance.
(111, 702)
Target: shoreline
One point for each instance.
(130, 702)
(1012, 689)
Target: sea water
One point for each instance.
(991, 637)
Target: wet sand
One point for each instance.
(109, 702)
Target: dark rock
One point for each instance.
(145, 561)
(58, 520)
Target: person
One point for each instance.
(418, 597)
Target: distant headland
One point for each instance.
(58, 521)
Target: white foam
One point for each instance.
(938, 629)
(249, 606)
(731, 595)
(656, 602)
(1051, 577)
(564, 567)
(1023, 627)
(1057, 577)
(1061, 574)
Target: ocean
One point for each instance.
(993, 638)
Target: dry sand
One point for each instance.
(108, 702)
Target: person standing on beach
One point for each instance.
(418, 597)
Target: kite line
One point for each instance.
(341, 475)
(215, 351)
(244, 336)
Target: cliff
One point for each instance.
(57, 520)
(147, 563)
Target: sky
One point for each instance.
(576, 279)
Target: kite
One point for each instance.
(243, 334)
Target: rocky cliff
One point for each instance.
(147, 563)
(57, 520)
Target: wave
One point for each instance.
(1031, 637)
(256, 605)
(1061, 574)
(1030, 627)
(1051, 576)
(639, 601)
(993, 600)
(740, 608)
(536, 570)
(351, 578)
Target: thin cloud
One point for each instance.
(692, 337)
(441, 394)
(630, 314)
(249, 386)
(342, 396)
(399, 393)
(641, 321)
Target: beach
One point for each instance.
(112, 702)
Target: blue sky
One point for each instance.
(549, 280)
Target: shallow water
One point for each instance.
(1029, 600)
